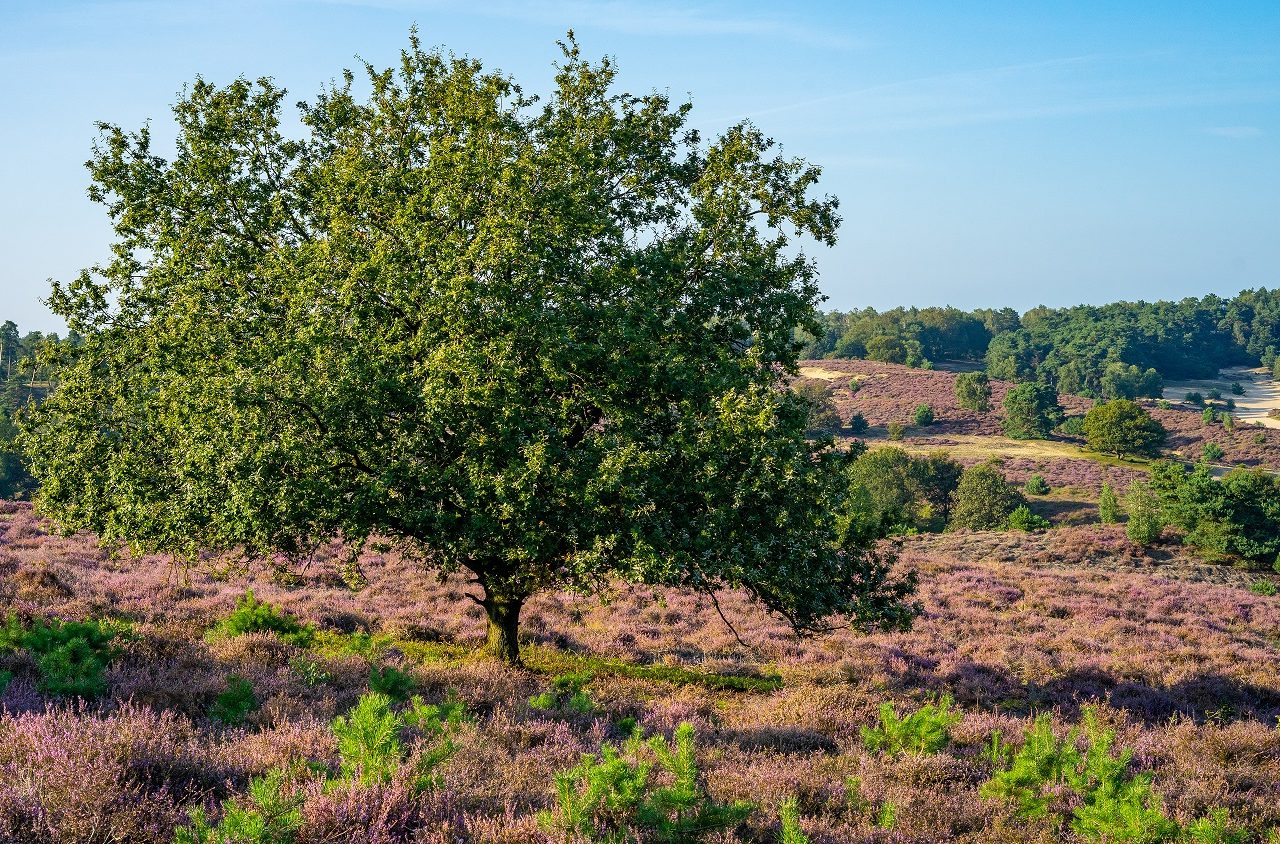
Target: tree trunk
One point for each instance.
(504, 628)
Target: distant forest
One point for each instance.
(21, 380)
(1121, 350)
(1125, 349)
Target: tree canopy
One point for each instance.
(1031, 411)
(983, 499)
(538, 341)
(1123, 427)
(973, 391)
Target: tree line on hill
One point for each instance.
(22, 379)
(1120, 350)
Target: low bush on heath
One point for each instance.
(927, 730)
(614, 792)
(254, 616)
(71, 656)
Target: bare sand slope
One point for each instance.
(1261, 392)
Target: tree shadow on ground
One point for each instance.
(1203, 697)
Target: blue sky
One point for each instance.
(984, 154)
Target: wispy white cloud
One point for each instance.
(1061, 87)
(1236, 132)
(910, 90)
(629, 16)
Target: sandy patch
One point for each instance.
(826, 374)
(983, 447)
(1261, 392)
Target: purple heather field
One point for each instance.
(1179, 661)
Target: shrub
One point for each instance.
(612, 792)
(1228, 421)
(897, 430)
(1237, 389)
(1143, 508)
(903, 493)
(1036, 485)
(1194, 398)
(1164, 404)
(857, 423)
(923, 415)
(602, 792)
(1209, 416)
(682, 811)
(1023, 519)
(1212, 452)
(234, 705)
(1108, 507)
(254, 616)
(1072, 426)
(855, 384)
(1215, 828)
(823, 415)
(1232, 518)
(567, 692)
(1259, 438)
(1259, 587)
(370, 746)
(1111, 806)
(983, 499)
(1215, 394)
(927, 730)
(789, 817)
(1031, 411)
(973, 391)
(391, 681)
(71, 656)
(268, 816)
(311, 671)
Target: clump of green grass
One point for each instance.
(232, 706)
(550, 661)
(567, 692)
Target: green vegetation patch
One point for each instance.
(549, 661)
(71, 656)
(254, 616)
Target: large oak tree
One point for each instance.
(540, 341)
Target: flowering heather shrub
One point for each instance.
(79, 775)
(1176, 655)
